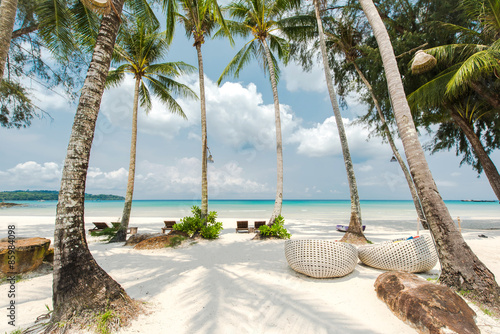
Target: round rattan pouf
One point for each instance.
(414, 255)
(321, 258)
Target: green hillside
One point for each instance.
(49, 195)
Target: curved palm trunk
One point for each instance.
(204, 180)
(79, 282)
(278, 202)
(121, 234)
(7, 18)
(488, 166)
(406, 172)
(461, 269)
(354, 233)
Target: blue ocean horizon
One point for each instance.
(262, 209)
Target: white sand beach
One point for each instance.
(235, 284)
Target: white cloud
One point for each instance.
(323, 140)
(236, 115)
(297, 79)
(32, 175)
(107, 180)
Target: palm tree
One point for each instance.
(7, 18)
(79, 282)
(461, 269)
(344, 39)
(200, 18)
(354, 233)
(471, 68)
(262, 19)
(140, 47)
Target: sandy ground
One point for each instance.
(236, 285)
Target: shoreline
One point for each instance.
(238, 285)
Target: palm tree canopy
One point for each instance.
(262, 19)
(199, 18)
(140, 48)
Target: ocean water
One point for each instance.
(380, 212)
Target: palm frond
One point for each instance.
(280, 46)
(170, 8)
(145, 97)
(160, 90)
(241, 58)
(116, 76)
(452, 53)
(56, 26)
(142, 9)
(480, 64)
(431, 94)
(172, 69)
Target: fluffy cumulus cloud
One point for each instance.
(323, 140)
(32, 175)
(297, 79)
(182, 179)
(236, 114)
(112, 180)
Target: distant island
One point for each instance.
(49, 195)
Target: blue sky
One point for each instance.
(241, 137)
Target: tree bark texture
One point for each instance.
(7, 18)
(24, 31)
(354, 233)
(278, 201)
(488, 166)
(402, 164)
(79, 282)
(204, 177)
(121, 234)
(461, 269)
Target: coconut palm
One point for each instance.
(140, 47)
(79, 283)
(470, 74)
(344, 38)
(354, 233)
(7, 18)
(461, 269)
(199, 18)
(262, 20)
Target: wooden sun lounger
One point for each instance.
(98, 226)
(259, 223)
(169, 225)
(242, 225)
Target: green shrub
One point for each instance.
(195, 224)
(276, 230)
(176, 241)
(109, 232)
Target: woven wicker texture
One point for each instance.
(422, 62)
(414, 255)
(321, 258)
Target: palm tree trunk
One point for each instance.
(406, 172)
(7, 18)
(488, 166)
(278, 201)
(204, 179)
(354, 233)
(79, 282)
(461, 269)
(121, 234)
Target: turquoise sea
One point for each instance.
(472, 214)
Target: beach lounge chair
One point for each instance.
(259, 223)
(98, 226)
(169, 226)
(242, 225)
(413, 255)
(321, 258)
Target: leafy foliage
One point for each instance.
(276, 230)
(48, 195)
(108, 232)
(208, 228)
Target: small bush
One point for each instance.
(195, 224)
(105, 322)
(176, 241)
(276, 230)
(108, 232)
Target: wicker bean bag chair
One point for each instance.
(413, 255)
(321, 258)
